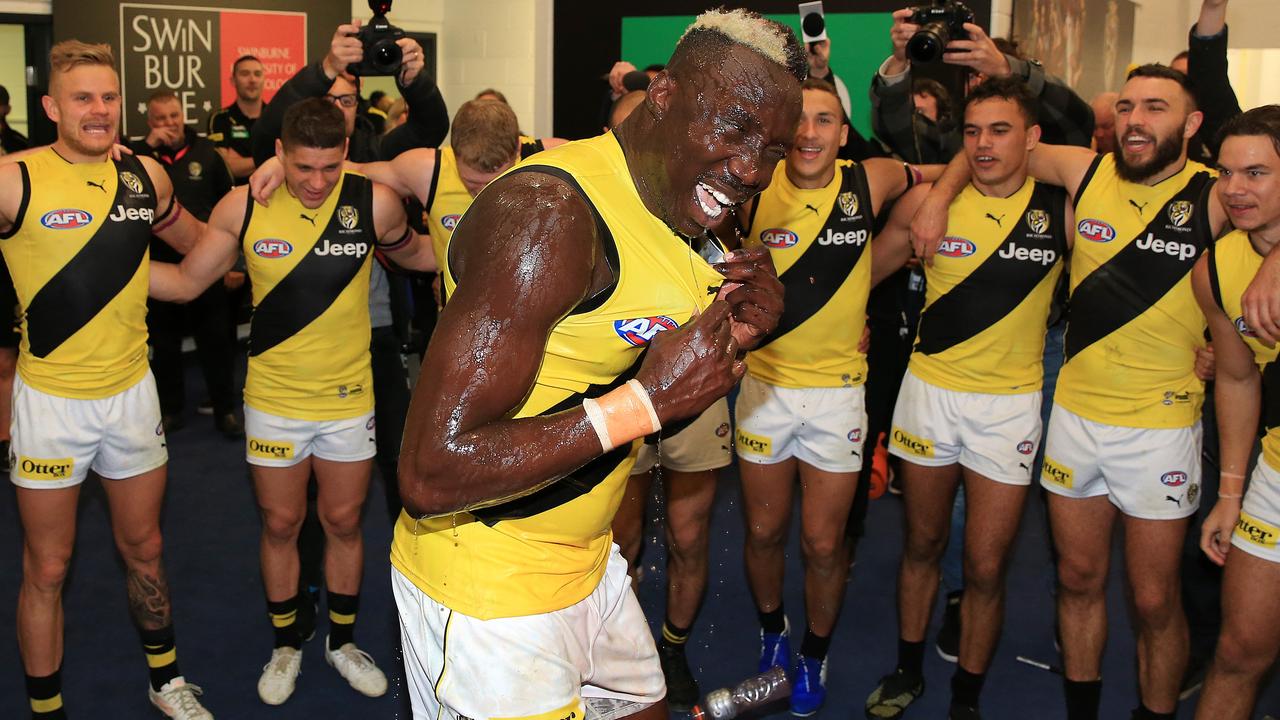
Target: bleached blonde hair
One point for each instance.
(771, 39)
(70, 54)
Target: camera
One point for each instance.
(813, 24)
(940, 23)
(382, 56)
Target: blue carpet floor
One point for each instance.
(211, 530)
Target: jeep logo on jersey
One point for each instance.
(1243, 329)
(272, 248)
(1038, 221)
(1183, 251)
(848, 203)
(122, 213)
(450, 221)
(348, 217)
(779, 238)
(956, 247)
(1174, 478)
(1180, 212)
(131, 181)
(347, 248)
(1026, 447)
(853, 237)
(1096, 231)
(641, 330)
(65, 219)
(1036, 255)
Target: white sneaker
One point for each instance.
(177, 699)
(280, 675)
(357, 667)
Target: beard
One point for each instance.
(1168, 150)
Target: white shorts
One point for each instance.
(1258, 528)
(1149, 473)
(597, 652)
(57, 441)
(704, 445)
(820, 426)
(274, 441)
(993, 435)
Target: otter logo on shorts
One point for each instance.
(754, 443)
(912, 444)
(30, 468)
(270, 449)
(1058, 474)
(1255, 531)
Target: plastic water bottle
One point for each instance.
(751, 693)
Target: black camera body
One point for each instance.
(940, 23)
(382, 56)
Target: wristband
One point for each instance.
(395, 244)
(1227, 474)
(1230, 496)
(914, 176)
(622, 415)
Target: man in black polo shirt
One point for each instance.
(200, 178)
(230, 127)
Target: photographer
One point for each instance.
(1065, 117)
(428, 117)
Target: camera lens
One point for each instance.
(927, 45)
(813, 24)
(386, 56)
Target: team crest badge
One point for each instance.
(348, 217)
(848, 203)
(131, 181)
(1038, 221)
(1180, 212)
(196, 170)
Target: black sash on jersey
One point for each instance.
(316, 281)
(1134, 279)
(98, 273)
(575, 484)
(997, 286)
(813, 279)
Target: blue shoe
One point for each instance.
(775, 648)
(808, 686)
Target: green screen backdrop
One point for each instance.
(859, 43)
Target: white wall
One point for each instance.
(30, 7)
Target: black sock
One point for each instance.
(1143, 713)
(342, 618)
(773, 621)
(162, 655)
(45, 694)
(814, 646)
(284, 618)
(911, 657)
(1083, 698)
(966, 687)
(673, 635)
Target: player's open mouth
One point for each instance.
(712, 201)
(809, 152)
(1136, 142)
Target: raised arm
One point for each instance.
(172, 224)
(889, 179)
(526, 255)
(213, 255)
(891, 247)
(1238, 400)
(395, 237)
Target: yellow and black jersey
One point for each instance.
(448, 199)
(547, 550)
(309, 335)
(1233, 262)
(1134, 325)
(988, 292)
(78, 256)
(818, 240)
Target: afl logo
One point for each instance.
(65, 219)
(640, 331)
(1180, 212)
(450, 221)
(956, 247)
(1177, 478)
(348, 217)
(855, 435)
(1026, 447)
(271, 248)
(722, 430)
(779, 238)
(1096, 231)
(370, 425)
(1244, 329)
(1038, 221)
(131, 181)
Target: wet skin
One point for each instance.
(725, 126)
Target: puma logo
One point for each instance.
(1139, 208)
(100, 186)
(807, 206)
(999, 220)
(309, 218)
(1175, 500)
